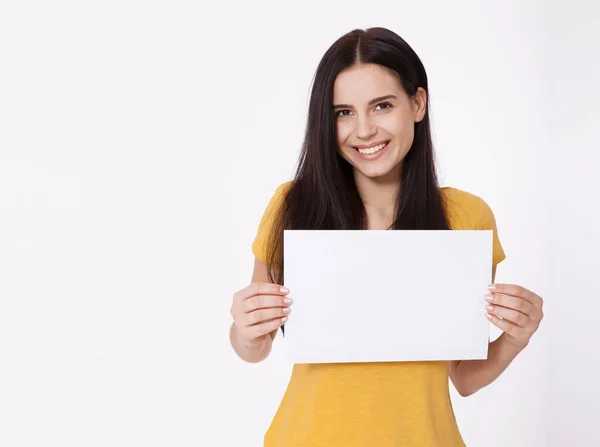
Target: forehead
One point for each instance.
(364, 82)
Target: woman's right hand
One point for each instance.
(258, 310)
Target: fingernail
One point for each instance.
(490, 308)
(488, 316)
(287, 300)
(284, 290)
(492, 287)
(488, 298)
(286, 310)
(284, 319)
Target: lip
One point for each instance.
(366, 146)
(374, 156)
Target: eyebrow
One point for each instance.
(371, 102)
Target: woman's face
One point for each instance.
(374, 119)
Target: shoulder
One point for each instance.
(457, 196)
(465, 209)
(278, 195)
(268, 219)
(283, 188)
(276, 200)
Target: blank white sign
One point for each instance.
(396, 295)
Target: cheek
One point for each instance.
(343, 130)
(400, 127)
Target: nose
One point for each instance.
(365, 128)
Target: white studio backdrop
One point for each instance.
(140, 143)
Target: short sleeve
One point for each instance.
(487, 221)
(259, 246)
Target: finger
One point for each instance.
(504, 325)
(513, 316)
(518, 291)
(260, 288)
(265, 301)
(259, 330)
(261, 315)
(510, 302)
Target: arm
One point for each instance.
(469, 376)
(260, 351)
(250, 354)
(517, 305)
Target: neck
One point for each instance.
(379, 194)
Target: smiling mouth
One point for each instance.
(372, 150)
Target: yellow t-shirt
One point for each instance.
(377, 404)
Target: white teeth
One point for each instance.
(372, 150)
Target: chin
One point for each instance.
(374, 169)
(376, 172)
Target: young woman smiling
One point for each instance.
(368, 163)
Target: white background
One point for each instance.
(140, 143)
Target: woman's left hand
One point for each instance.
(519, 309)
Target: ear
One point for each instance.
(420, 104)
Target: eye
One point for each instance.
(387, 105)
(341, 113)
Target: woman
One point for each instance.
(367, 163)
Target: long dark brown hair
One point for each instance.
(323, 195)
